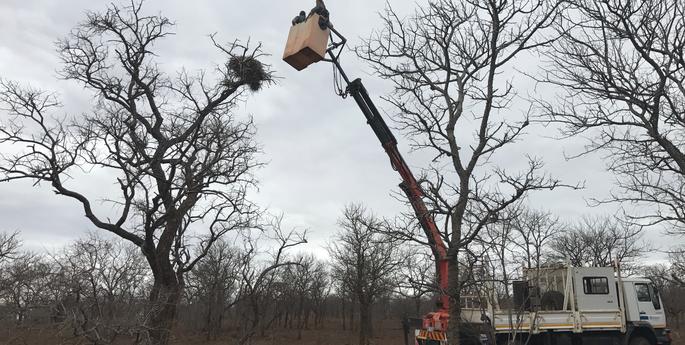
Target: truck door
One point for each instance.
(649, 305)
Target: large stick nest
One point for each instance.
(249, 71)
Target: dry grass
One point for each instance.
(679, 336)
(386, 333)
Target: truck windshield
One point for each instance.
(642, 291)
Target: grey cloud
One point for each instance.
(321, 154)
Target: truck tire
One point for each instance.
(640, 341)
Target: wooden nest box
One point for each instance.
(307, 43)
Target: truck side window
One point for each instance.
(655, 297)
(642, 291)
(596, 285)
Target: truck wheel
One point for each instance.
(639, 341)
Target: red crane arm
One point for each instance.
(409, 185)
(415, 195)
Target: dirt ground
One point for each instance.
(388, 332)
(679, 336)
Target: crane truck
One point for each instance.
(594, 305)
(562, 304)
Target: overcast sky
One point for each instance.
(320, 153)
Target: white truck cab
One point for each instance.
(643, 303)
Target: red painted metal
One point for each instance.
(415, 195)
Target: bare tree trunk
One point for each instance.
(344, 316)
(352, 308)
(164, 301)
(164, 298)
(454, 329)
(365, 323)
(215, 311)
(300, 321)
(417, 306)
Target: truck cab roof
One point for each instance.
(636, 280)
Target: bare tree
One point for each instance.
(366, 260)
(23, 285)
(677, 258)
(243, 282)
(622, 68)
(499, 246)
(306, 283)
(598, 242)
(343, 288)
(259, 277)
(534, 230)
(9, 245)
(181, 158)
(319, 292)
(214, 283)
(447, 63)
(98, 288)
(415, 277)
(671, 291)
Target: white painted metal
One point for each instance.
(587, 300)
(642, 307)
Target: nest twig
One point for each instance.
(249, 70)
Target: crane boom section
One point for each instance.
(409, 185)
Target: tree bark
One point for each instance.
(164, 299)
(300, 320)
(352, 308)
(454, 327)
(215, 310)
(365, 323)
(417, 306)
(344, 315)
